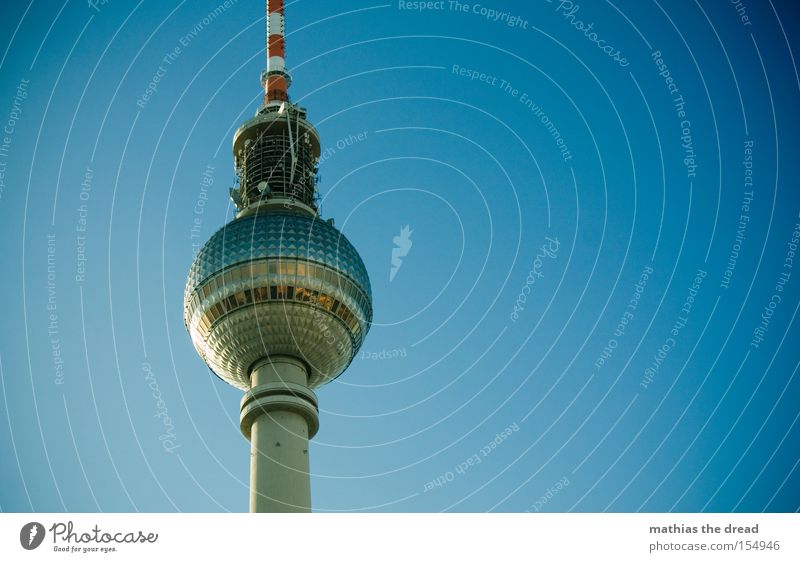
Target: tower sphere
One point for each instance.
(277, 282)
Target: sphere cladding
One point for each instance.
(277, 283)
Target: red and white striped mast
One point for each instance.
(275, 79)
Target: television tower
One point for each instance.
(278, 301)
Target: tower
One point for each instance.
(278, 301)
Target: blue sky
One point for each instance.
(597, 311)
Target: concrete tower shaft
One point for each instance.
(279, 416)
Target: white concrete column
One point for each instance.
(279, 416)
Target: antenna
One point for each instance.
(275, 78)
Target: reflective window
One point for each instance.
(286, 292)
(325, 301)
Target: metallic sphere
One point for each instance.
(277, 283)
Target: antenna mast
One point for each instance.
(275, 78)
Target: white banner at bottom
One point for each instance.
(400, 537)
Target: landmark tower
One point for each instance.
(278, 301)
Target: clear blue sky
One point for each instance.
(627, 150)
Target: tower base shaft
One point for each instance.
(277, 420)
